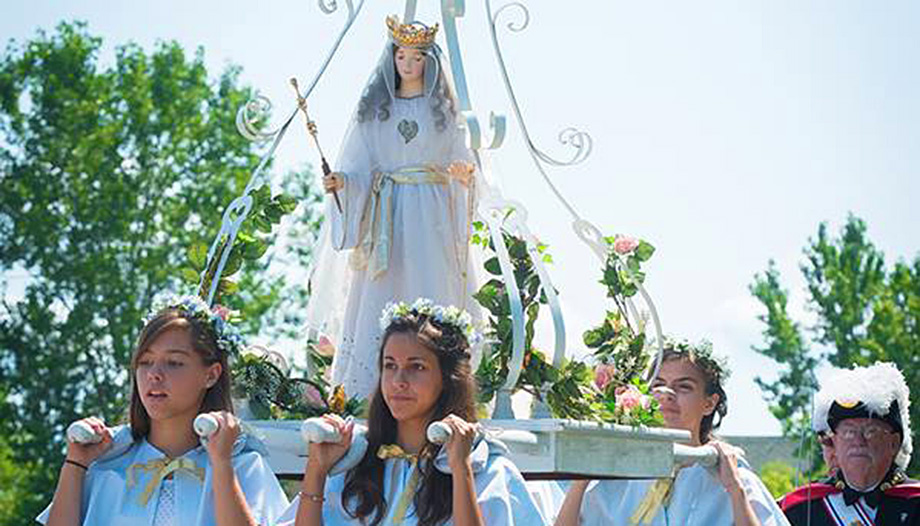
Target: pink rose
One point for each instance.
(325, 347)
(603, 375)
(629, 398)
(313, 397)
(221, 311)
(625, 245)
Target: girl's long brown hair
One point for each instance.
(216, 398)
(363, 494)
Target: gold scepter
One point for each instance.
(311, 129)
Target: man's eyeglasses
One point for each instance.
(869, 432)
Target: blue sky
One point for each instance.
(724, 131)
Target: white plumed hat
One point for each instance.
(877, 391)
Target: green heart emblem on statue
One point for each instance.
(408, 129)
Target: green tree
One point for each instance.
(866, 312)
(15, 495)
(778, 477)
(109, 173)
(790, 395)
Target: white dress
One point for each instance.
(113, 490)
(403, 234)
(500, 492)
(697, 499)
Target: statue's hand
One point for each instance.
(333, 182)
(462, 171)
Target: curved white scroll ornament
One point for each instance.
(248, 117)
(512, 216)
(493, 211)
(582, 143)
(594, 239)
(451, 10)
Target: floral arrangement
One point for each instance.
(219, 319)
(610, 391)
(450, 315)
(494, 366)
(263, 378)
(613, 390)
(701, 354)
(619, 343)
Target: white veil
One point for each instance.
(330, 277)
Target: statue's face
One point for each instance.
(410, 63)
(865, 449)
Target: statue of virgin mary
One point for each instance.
(407, 186)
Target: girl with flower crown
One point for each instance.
(399, 205)
(689, 388)
(155, 471)
(403, 478)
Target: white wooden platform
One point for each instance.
(541, 448)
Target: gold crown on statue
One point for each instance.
(414, 35)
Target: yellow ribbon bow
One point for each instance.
(160, 469)
(656, 497)
(405, 498)
(386, 451)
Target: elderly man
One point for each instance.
(864, 411)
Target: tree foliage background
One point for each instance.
(865, 311)
(108, 174)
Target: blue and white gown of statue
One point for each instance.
(123, 487)
(501, 492)
(697, 499)
(403, 234)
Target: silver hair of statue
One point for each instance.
(377, 99)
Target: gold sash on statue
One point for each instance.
(377, 222)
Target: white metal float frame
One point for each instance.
(544, 447)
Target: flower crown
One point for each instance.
(217, 319)
(450, 315)
(702, 354)
(415, 35)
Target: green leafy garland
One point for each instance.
(493, 296)
(251, 243)
(613, 391)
